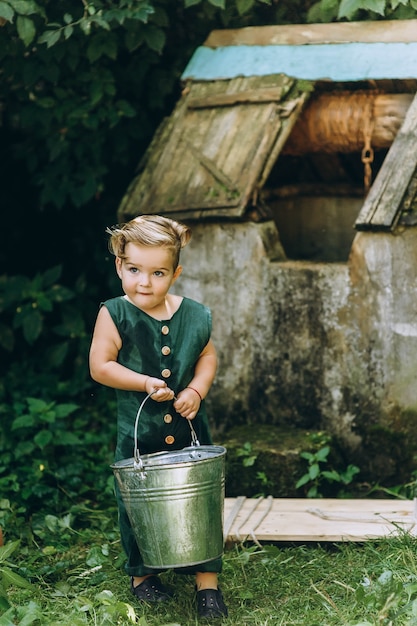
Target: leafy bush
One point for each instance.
(56, 443)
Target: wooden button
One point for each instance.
(165, 330)
(166, 350)
(166, 373)
(167, 418)
(169, 440)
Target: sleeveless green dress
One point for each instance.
(169, 350)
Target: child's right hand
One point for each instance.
(159, 389)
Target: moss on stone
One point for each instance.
(389, 448)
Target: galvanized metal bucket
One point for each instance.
(175, 503)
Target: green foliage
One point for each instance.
(81, 582)
(388, 596)
(316, 478)
(248, 457)
(28, 301)
(54, 442)
(331, 10)
(8, 575)
(85, 85)
(407, 491)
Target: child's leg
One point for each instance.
(138, 580)
(210, 601)
(206, 580)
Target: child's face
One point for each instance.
(147, 273)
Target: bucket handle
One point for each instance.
(138, 463)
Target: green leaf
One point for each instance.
(218, 3)
(50, 37)
(23, 421)
(69, 439)
(331, 475)
(44, 303)
(25, 29)
(377, 6)
(312, 492)
(52, 523)
(32, 326)
(95, 557)
(243, 6)
(51, 276)
(348, 8)
(322, 454)
(26, 7)
(68, 30)
(329, 7)
(314, 471)
(190, 3)
(126, 109)
(60, 294)
(24, 448)
(6, 12)
(48, 416)
(63, 410)
(43, 438)
(9, 611)
(32, 614)
(302, 481)
(155, 38)
(102, 46)
(37, 405)
(11, 578)
(7, 550)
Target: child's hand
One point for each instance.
(162, 393)
(187, 403)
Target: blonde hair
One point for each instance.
(151, 231)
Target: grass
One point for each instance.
(75, 567)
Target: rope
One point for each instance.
(344, 119)
(252, 530)
(378, 518)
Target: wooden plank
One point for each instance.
(230, 99)
(382, 206)
(288, 122)
(341, 62)
(211, 167)
(298, 34)
(292, 519)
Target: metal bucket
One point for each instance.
(175, 502)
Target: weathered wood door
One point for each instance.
(217, 149)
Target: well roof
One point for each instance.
(243, 92)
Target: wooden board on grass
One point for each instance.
(291, 519)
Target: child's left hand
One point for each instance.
(187, 403)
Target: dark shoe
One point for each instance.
(150, 590)
(210, 603)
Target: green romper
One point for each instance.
(168, 350)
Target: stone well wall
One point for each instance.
(318, 345)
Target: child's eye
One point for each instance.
(133, 270)
(159, 273)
